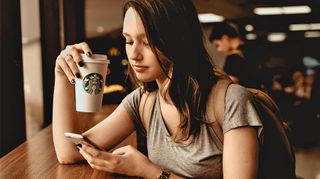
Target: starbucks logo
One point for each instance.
(93, 83)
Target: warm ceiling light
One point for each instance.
(296, 9)
(315, 26)
(268, 10)
(298, 27)
(210, 17)
(251, 36)
(312, 34)
(249, 27)
(277, 37)
(282, 10)
(303, 27)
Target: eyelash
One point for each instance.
(130, 43)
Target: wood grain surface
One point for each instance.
(36, 157)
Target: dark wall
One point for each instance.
(12, 111)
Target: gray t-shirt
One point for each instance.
(203, 157)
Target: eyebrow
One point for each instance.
(142, 35)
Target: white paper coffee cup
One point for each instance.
(89, 89)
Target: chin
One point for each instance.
(144, 79)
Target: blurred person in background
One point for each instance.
(226, 38)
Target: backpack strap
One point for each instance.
(216, 105)
(145, 108)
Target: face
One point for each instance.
(141, 58)
(223, 45)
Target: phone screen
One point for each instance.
(80, 139)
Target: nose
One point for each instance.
(135, 53)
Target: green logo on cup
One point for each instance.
(93, 83)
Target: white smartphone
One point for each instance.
(80, 139)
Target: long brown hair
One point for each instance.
(172, 27)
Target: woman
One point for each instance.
(165, 49)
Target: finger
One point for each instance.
(92, 151)
(76, 56)
(64, 53)
(73, 67)
(96, 162)
(85, 48)
(62, 64)
(88, 157)
(102, 158)
(97, 153)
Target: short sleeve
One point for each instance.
(240, 110)
(131, 103)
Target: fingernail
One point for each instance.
(72, 81)
(81, 63)
(88, 54)
(79, 145)
(78, 75)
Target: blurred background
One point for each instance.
(282, 37)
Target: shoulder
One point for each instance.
(137, 96)
(132, 100)
(240, 109)
(131, 103)
(134, 95)
(239, 103)
(236, 92)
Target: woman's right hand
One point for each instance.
(69, 59)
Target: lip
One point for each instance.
(139, 68)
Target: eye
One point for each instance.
(129, 42)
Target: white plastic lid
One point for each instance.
(95, 58)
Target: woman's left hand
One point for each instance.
(125, 160)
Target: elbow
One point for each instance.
(66, 160)
(66, 155)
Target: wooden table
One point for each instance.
(36, 157)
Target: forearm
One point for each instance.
(64, 120)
